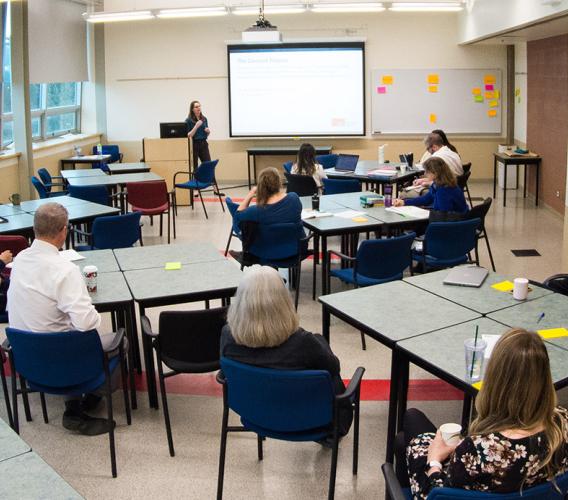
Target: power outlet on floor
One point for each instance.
(558, 194)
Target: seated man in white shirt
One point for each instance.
(47, 294)
(435, 147)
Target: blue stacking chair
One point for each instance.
(447, 244)
(47, 180)
(66, 364)
(290, 405)
(338, 186)
(108, 149)
(545, 491)
(377, 261)
(43, 191)
(202, 178)
(235, 229)
(95, 194)
(112, 231)
(287, 166)
(327, 161)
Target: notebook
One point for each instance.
(472, 276)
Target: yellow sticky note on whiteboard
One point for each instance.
(478, 385)
(497, 94)
(493, 104)
(172, 266)
(503, 286)
(517, 92)
(489, 79)
(492, 113)
(433, 118)
(433, 89)
(553, 333)
(476, 91)
(387, 80)
(433, 79)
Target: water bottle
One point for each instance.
(388, 195)
(381, 153)
(99, 149)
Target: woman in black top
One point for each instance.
(198, 129)
(263, 330)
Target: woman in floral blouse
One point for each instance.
(518, 439)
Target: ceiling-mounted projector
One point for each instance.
(262, 30)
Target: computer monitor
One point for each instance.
(170, 130)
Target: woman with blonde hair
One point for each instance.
(518, 439)
(444, 194)
(263, 329)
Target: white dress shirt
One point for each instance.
(47, 293)
(452, 159)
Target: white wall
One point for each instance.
(482, 18)
(520, 101)
(154, 68)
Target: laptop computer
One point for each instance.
(346, 163)
(472, 276)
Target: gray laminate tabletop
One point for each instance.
(398, 310)
(84, 172)
(157, 255)
(111, 289)
(28, 476)
(66, 201)
(526, 315)
(7, 209)
(444, 349)
(325, 203)
(89, 210)
(483, 300)
(113, 180)
(127, 168)
(190, 280)
(103, 259)
(11, 445)
(19, 222)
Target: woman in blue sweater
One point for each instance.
(444, 194)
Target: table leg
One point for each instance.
(393, 406)
(466, 411)
(314, 263)
(131, 316)
(505, 184)
(325, 319)
(324, 265)
(248, 170)
(495, 177)
(404, 373)
(150, 369)
(132, 342)
(537, 165)
(525, 181)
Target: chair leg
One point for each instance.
(16, 422)
(219, 195)
(174, 198)
(468, 195)
(165, 406)
(489, 250)
(124, 374)
(25, 399)
(151, 220)
(259, 446)
(174, 223)
(202, 203)
(333, 472)
(298, 275)
(363, 341)
(43, 407)
(162, 224)
(356, 412)
(169, 223)
(111, 427)
(229, 241)
(222, 452)
(6, 395)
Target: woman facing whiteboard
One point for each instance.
(198, 129)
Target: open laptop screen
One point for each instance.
(347, 163)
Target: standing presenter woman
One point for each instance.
(198, 129)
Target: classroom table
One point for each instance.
(483, 300)
(11, 445)
(390, 313)
(85, 172)
(516, 161)
(155, 287)
(22, 223)
(104, 260)
(114, 180)
(275, 151)
(127, 168)
(83, 159)
(365, 166)
(10, 209)
(67, 201)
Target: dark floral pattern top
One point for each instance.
(491, 462)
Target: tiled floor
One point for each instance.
(289, 470)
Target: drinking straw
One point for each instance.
(474, 346)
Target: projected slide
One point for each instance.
(292, 90)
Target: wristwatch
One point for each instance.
(435, 463)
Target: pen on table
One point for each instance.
(540, 317)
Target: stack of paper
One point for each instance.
(71, 255)
(349, 214)
(410, 211)
(314, 214)
(383, 172)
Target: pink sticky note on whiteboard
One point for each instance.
(381, 90)
(489, 87)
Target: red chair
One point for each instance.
(13, 243)
(152, 198)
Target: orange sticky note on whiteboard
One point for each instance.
(433, 89)
(492, 113)
(489, 79)
(433, 79)
(489, 95)
(476, 91)
(387, 80)
(433, 118)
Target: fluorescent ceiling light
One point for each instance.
(108, 17)
(426, 6)
(193, 12)
(348, 7)
(251, 10)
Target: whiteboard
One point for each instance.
(467, 101)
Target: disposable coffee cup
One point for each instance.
(451, 433)
(520, 288)
(315, 202)
(403, 168)
(90, 274)
(15, 199)
(474, 358)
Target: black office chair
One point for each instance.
(558, 283)
(187, 342)
(467, 173)
(479, 212)
(302, 185)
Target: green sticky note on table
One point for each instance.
(478, 385)
(553, 333)
(173, 266)
(503, 286)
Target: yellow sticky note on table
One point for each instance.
(433, 79)
(503, 286)
(433, 118)
(433, 89)
(478, 385)
(493, 104)
(492, 113)
(388, 80)
(553, 333)
(489, 95)
(172, 266)
(359, 219)
(489, 79)
(476, 91)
